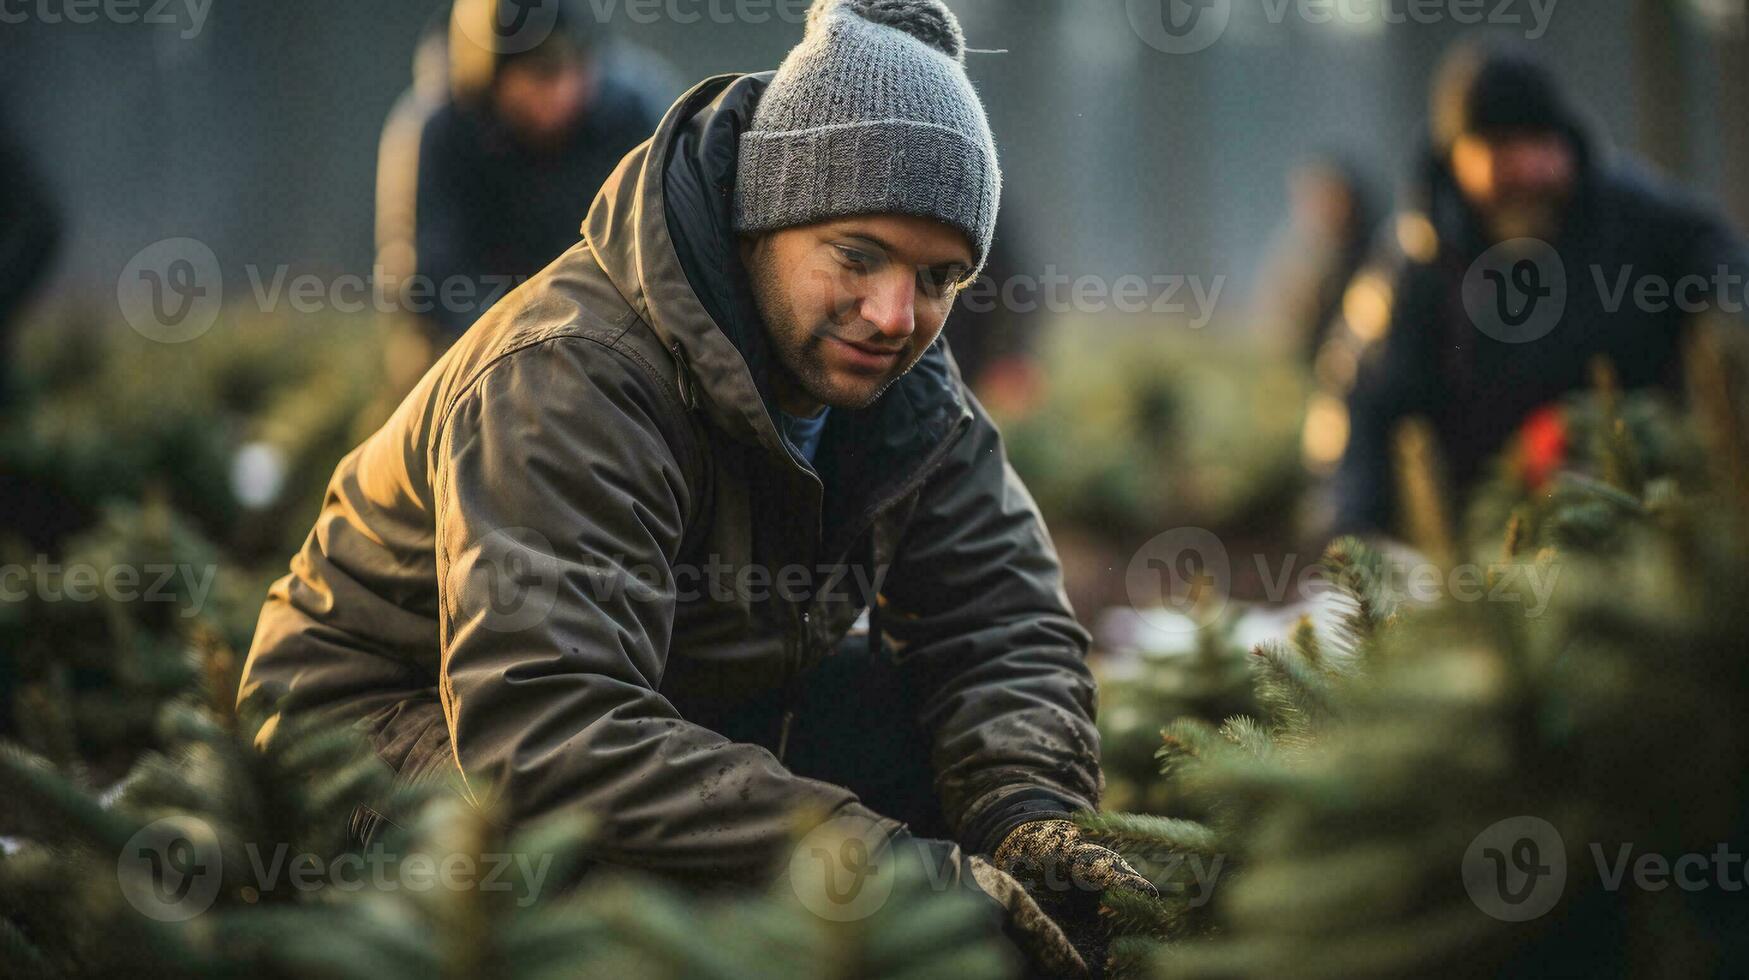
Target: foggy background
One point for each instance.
(258, 134)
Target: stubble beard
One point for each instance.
(801, 349)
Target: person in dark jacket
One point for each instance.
(1517, 265)
(608, 555)
(472, 179)
(1314, 255)
(29, 237)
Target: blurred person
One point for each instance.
(29, 238)
(609, 556)
(485, 180)
(411, 341)
(1312, 258)
(1509, 163)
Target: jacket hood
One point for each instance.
(1490, 90)
(662, 229)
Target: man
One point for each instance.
(605, 556)
(471, 181)
(1514, 200)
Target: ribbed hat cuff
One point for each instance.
(888, 166)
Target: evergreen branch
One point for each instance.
(1141, 831)
(1293, 695)
(1245, 732)
(1130, 913)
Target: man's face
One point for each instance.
(851, 304)
(1518, 182)
(541, 99)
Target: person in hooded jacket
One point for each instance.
(607, 557)
(1503, 284)
(482, 181)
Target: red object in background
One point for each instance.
(1011, 387)
(1542, 445)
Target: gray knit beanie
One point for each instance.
(871, 113)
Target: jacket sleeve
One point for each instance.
(1713, 254)
(974, 603)
(558, 520)
(1394, 378)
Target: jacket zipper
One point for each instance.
(803, 619)
(937, 456)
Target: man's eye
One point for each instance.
(853, 257)
(936, 282)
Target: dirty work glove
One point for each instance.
(1067, 875)
(1043, 942)
(1058, 866)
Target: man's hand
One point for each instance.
(1063, 871)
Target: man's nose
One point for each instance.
(892, 306)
